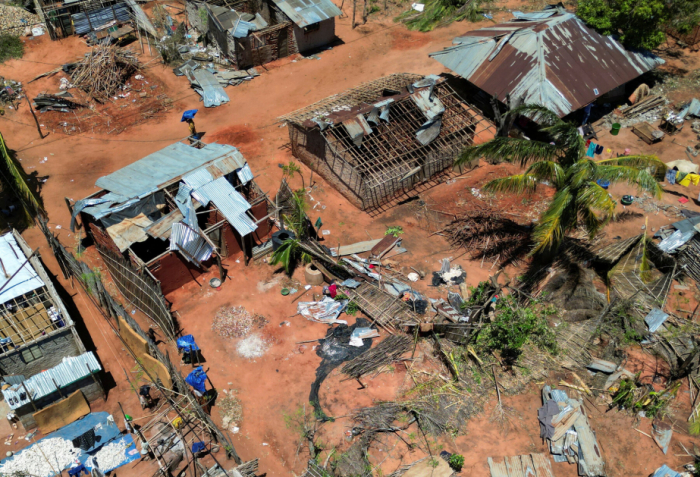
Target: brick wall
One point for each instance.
(53, 349)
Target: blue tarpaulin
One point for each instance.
(197, 379)
(189, 114)
(187, 343)
(198, 447)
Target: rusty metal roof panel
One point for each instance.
(308, 12)
(555, 61)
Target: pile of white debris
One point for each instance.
(46, 457)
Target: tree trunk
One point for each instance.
(354, 9)
(364, 12)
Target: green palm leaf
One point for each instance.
(518, 184)
(510, 149)
(631, 175)
(579, 200)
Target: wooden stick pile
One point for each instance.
(386, 352)
(104, 70)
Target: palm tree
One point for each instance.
(579, 199)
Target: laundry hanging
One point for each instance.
(591, 149)
(599, 149)
(671, 176)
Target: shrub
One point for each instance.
(10, 47)
(456, 461)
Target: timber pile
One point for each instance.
(487, 234)
(647, 104)
(104, 70)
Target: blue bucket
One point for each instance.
(603, 183)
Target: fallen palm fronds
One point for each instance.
(104, 70)
(489, 235)
(386, 352)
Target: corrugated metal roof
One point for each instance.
(156, 170)
(245, 175)
(14, 260)
(557, 62)
(306, 12)
(42, 384)
(190, 244)
(197, 179)
(428, 103)
(230, 203)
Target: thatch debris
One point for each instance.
(385, 353)
(489, 235)
(104, 70)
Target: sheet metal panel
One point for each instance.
(232, 205)
(15, 261)
(190, 244)
(655, 319)
(210, 89)
(307, 12)
(557, 62)
(245, 175)
(149, 174)
(42, 384)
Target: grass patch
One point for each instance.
(10, 47)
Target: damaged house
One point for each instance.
(384, 137)
(42, 358)
(549, 58)
(254, 32)
(98, 19)
(178, 211)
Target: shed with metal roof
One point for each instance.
(550, 58)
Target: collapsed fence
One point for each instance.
(113, 312)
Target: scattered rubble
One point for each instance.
(253, 346)
(33, 461)
(236, 322)
(16, 20)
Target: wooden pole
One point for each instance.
(30, 397)
(57, 388)
(94, 378)
(38, 128)
(354, 9)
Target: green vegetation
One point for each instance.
(634, 396)
(12, 176)
(11, 46)
(203, 16)
(291, 169)
(433, 462)
(291, 251)
(395, 231)
(457, 462)
(443, 12)
(514, 326)
(639, 23)
(560, 158)
(352, 307)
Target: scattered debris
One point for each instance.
(236, 322)
(230, 408)
(42, 458)
(389, 350)
(55, 102)
(253, 346)
(325, 311)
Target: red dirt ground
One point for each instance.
(279, 383)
